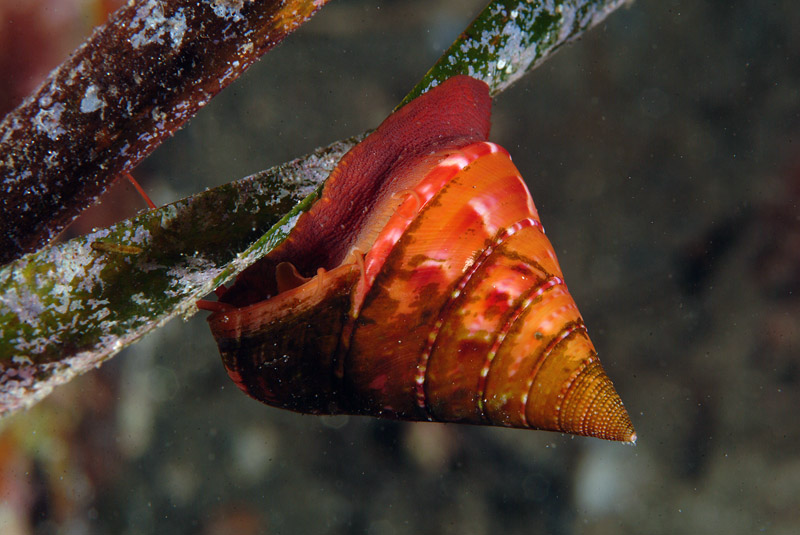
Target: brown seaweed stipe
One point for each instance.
(132, 84)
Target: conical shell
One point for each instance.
(442, 300)
(461, 314)
(471, 314)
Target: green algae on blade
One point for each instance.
(510, 37)
(69, 307)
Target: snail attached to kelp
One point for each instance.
(420, 286)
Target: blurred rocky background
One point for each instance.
(662, 152)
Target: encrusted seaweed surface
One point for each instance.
(67, 308)
(510, 37)
(135, 81)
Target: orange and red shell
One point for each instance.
(443, 300)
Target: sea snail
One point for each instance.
(420, 286)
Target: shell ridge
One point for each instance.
(387, 238)
(421, 377)
(562, 335)
(449, 168)
(525, 300)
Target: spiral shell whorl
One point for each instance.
(471, 312)
(441, 297)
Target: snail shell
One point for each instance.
(442, 301)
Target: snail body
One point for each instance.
(443, 300)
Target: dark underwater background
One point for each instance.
(662, 150)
